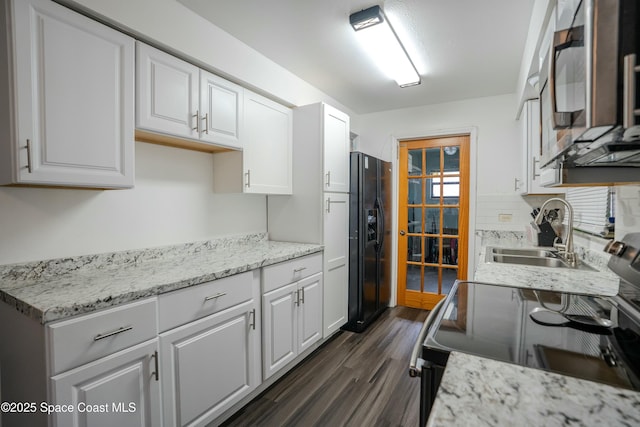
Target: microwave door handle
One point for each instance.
(629, 108)
(572, 37)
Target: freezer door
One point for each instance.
(370, 185)
(385, 249)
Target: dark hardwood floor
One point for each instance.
(353, 380)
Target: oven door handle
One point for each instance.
(415, 364)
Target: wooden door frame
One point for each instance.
(472, 131)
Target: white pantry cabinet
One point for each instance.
(292, 310)
(67, 94)
(336, 261)
(176, 98)
(335, 135)
(211, 363)
(265, 164)
(313, 214)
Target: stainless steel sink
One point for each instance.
(533, 257)
(542, 253)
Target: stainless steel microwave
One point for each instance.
(589, 92)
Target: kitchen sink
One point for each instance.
(542, 253)
(533, 257)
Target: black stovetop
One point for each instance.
(523, 326)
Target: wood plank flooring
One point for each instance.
(353, 380)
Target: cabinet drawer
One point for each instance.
(83, 339)
(186, 305)
(277, 275)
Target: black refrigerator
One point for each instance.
(369, 240)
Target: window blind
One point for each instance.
(591, 208)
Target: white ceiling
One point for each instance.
(462, 48)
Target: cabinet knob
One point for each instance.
(402, 232)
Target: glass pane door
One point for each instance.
(432, 189)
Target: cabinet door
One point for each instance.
(209, 365)
(336, 256)
(310, 311)
(336, 150)
(74, 98)
(532, 150)
(167, 93)
(220, 110)
(118, 390)
(268, 146)
(279, 328)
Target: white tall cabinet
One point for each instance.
(318, 210)
(66, 98)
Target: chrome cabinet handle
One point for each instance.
(252, 313)
(155, 374)
(516, 186)
(328, 204)
(297, 297)
(206, 123)
(197, 117)
(112, 333)
(248, 180)
(328, 178)
(535, 175)
(302, 292)
(29, 168)
(299, 269)
(216, 296)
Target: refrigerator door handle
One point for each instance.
(380, 224)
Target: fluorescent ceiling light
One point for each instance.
(383, 46)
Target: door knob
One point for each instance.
(402, 233)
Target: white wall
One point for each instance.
(172, 202)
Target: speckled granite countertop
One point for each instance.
(482, 392)
(60, 288)
(599, 282)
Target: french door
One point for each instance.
(433, 218)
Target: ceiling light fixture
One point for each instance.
(382, 44)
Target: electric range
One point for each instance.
(583, 336)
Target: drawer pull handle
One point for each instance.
(302, 292)
(299, 269)
(216, 296)
(112, 333)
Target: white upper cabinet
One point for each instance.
(167, 93)
(67, 88)
(178, 99)
(531, 180)
(221, 108)
(265, 164)
(336, 149)
(269, 146)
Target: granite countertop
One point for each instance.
(484, 392)
(56, 289)
(600, 281)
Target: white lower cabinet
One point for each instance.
(122, 389)
(336, 261)
(211, 363)
(292, 313)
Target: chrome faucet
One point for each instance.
(565, 250)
